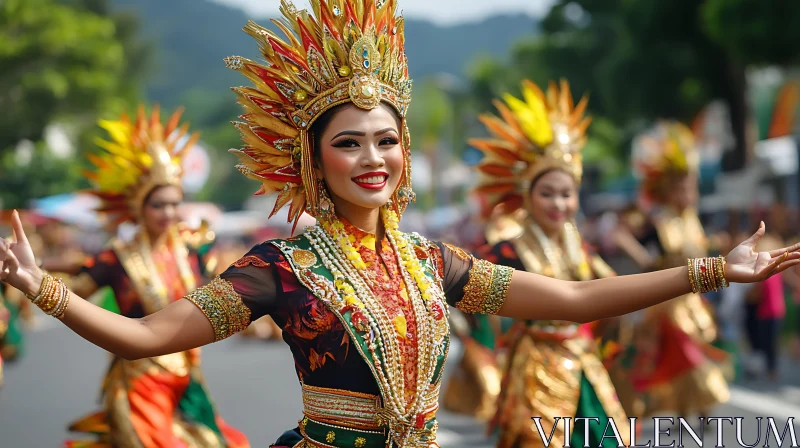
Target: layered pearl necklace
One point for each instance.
(353, 283)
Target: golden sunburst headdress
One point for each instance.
(141, 155)
(533, 135)
(665, 151)
(342, 51)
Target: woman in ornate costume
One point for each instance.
(362, 305)
(532, 172)
(675, 367)
(473, 387)
(158, 401)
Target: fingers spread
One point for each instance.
(787, 265)
(790, 249)
(770, 268)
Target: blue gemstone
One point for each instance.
(366, 53)
(366, 64)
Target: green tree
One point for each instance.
(643, 60)
(60, 62)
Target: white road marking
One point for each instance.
(764, 404)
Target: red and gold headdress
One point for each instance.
(343, 51)
(531, 136)
(141, 155)
(662, 153)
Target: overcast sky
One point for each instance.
(439, 11)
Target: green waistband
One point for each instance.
(338, 436)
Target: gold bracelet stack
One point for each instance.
(53, 297)
(707, 274)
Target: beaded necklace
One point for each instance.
(351, 280)
(571, 239)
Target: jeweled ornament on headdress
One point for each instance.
(662, 153)
(142, 155)
(538, 133)
(342, 51)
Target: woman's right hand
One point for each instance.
(17, 263)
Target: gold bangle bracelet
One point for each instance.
(53, 297)
(707, 274)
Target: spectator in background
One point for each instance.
(765, 311)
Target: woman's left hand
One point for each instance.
(745, 265)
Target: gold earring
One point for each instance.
(325, 204)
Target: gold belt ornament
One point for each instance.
(347, 412)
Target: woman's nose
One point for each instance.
(372, 157)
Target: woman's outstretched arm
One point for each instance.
(180, 326)
(532, 296)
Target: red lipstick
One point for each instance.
(375, 180)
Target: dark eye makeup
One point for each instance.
(345, 143)
(352, 143)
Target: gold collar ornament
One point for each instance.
(533, 135)
(141, 156)
(342, 51)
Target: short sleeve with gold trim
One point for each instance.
(471, 284)
(245, 292)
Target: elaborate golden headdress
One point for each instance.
(343, 51)
(659, 155)
(531, 136)
(141, 155)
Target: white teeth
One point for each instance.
(372, 180)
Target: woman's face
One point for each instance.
(683, 193)
(362, 157)
(554, 201)
(160, 211)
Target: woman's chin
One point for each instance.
(370, 201)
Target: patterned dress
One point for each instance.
(339, 359)
(553, 368)
(151, 402)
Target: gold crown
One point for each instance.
(663, 152)
(141, 155)
(344, 51)
(531, 136)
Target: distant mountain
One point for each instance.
(193, 36)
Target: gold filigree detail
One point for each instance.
(304, 258)
(487, 288)
(360, 442)
(303, 423)
(251, 260)
(330, 437)
(223, 307)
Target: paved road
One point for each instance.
(255, 388)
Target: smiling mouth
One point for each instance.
(371, 181)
